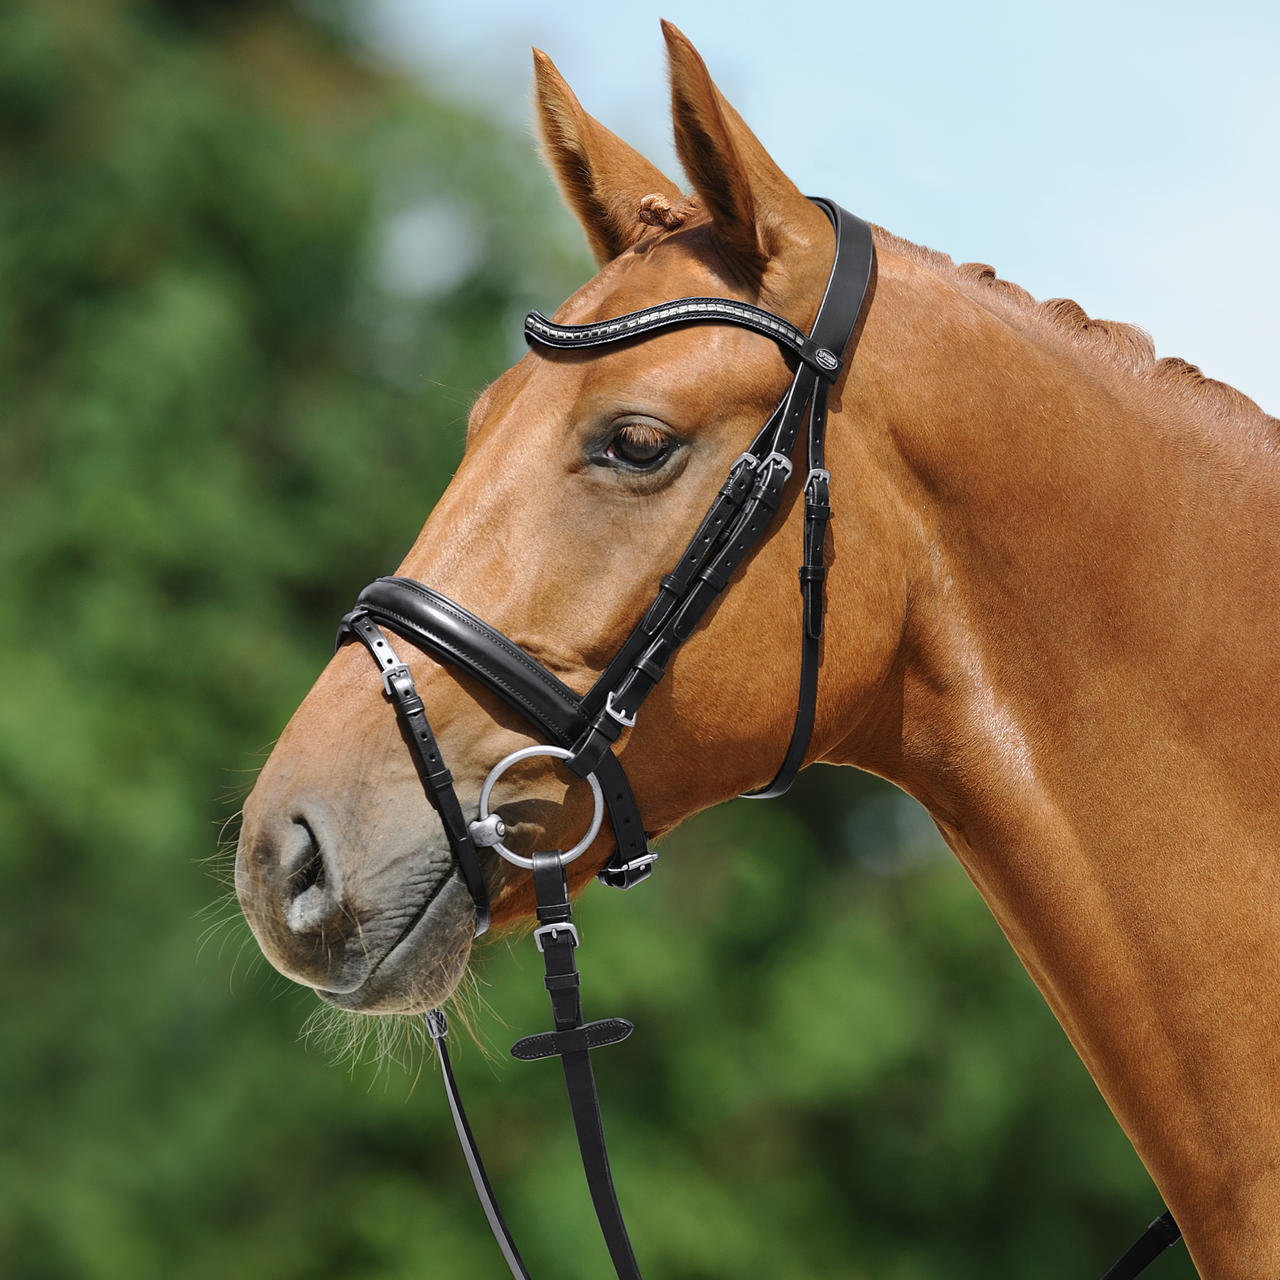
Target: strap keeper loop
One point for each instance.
(650, 667)
(562, 981)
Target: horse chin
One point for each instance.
(423, 968)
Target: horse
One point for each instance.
(1053, 575)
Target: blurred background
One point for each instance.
(255, 261)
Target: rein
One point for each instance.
(581, 731)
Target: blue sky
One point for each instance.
(1125, 155)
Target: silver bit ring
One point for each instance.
(525, 753)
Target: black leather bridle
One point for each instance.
(581, 731)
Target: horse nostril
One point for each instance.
(309, 868)
(311, 906)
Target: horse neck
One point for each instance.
(1085, 697)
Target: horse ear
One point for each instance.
(750, 200)
(602, 179)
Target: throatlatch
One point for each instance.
(581, 731)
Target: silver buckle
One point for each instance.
(818, 473)
(636, 864)
(776, 459)
(400, 669)
(550, 930)
(626, 721)
(556, 753)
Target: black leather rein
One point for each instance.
(581, 731)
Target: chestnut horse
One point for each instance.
(1054, 590)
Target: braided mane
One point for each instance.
(1123, 346)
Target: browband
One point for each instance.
(667, 315)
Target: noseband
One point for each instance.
(581, 730)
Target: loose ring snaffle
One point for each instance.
(486, 832)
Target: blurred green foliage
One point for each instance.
(250, 284)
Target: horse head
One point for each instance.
(584, 476)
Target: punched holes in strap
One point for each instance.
(735, 542)
(705, 568)
(437, 781)
(813, 572)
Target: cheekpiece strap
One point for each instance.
(744, 508)
(437, 781)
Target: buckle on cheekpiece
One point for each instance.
(550, 930)
(616, 713)
(399, 672)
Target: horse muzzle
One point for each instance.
(386, 928)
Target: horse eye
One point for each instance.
(635, 444)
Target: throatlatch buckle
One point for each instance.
(550, 931)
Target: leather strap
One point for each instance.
(438, 1029)
(742, 511)
(437, 781)
(855, 253)
(813, 572)
(451, 633)
(572, 1041)
(1159, 1236)
(681, 618)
